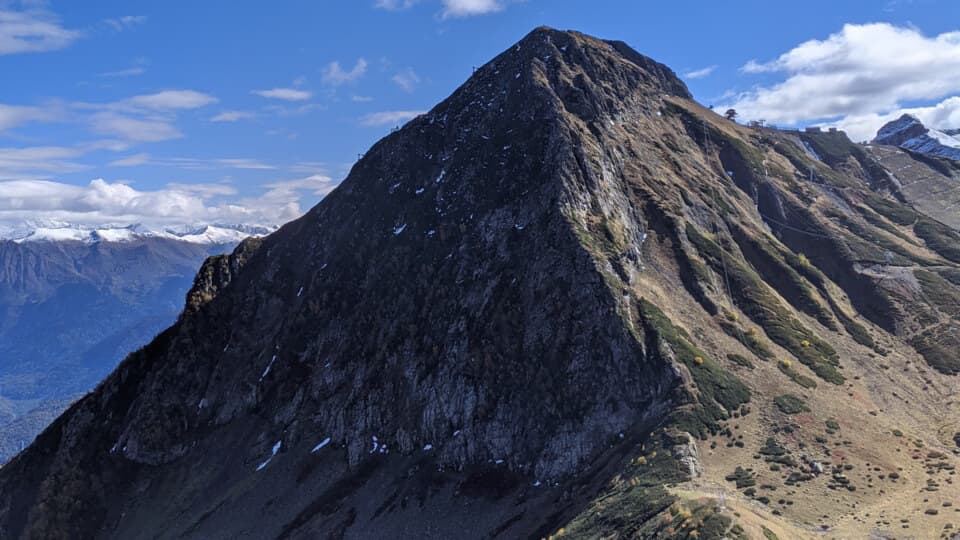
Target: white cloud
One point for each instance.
(285, 94)
(125, 22)
(384, 118)
(145, 117)
(204, 190)
(449, 8)
(12, 116)
(131, 161)
(97, 202)
(33, 30)
(393, 5)
(233, 116)
(335, 75)
(101, 202)
(169, 100)
(700, 73)
(467, 8)
(863, 127)
(300, 110)
(15, 162)
(146, 129)
(856, 77)
(244, 163)
(129, 72)
(406, 80)
(308, 167)
(192, 163)
(317, 184)
(165, 101)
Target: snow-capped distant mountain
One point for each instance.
(908, 132)
(77, 299)
(67, 232)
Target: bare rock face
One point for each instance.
(514, 312)
(217, 272)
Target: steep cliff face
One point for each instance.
(541, 305)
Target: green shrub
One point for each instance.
(740, 360)
(751, 341)
(790, 404)
(795, 376)
(742, 478)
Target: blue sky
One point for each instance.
(249, 111)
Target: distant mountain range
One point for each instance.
(56, 231)
(909, 133)
(75, 300)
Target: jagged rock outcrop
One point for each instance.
(217, 272)
(528, 309)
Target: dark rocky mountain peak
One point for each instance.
(525, 310)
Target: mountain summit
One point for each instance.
(908, 132)
(567, 300)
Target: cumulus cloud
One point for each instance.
(101, 202)
(407, 80)
(33, 30)
(285, 94)
(384, 118)
(855, 77)
(233, 116)
(335, 75)
(700, 73)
